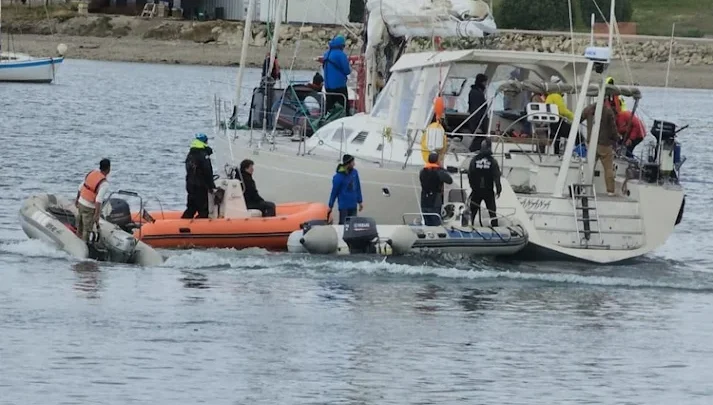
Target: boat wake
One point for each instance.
(647, 273)
(32, 248)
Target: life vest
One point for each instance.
(90, 188)
(431, 184)
(434, 128)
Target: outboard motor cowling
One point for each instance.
(360, 234)
(118, 212)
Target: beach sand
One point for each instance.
(135, 49)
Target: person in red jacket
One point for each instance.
(631, 129)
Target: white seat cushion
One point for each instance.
(255, 213)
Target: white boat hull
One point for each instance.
(284, 175)
(625, 230)
(38, 222)
(29, 70)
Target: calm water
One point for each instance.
(229, 327)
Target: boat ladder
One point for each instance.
(584, 203)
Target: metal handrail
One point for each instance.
(142, 210)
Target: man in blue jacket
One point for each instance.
(336, 68)
(347, 189)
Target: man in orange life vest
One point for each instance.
(432, 178)
(92, 192)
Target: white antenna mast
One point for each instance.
(591, 31)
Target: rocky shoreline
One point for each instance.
(125, 38)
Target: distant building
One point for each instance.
(332, 12)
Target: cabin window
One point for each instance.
(383, 101)
(380, 147)
(406, 100)
(432, 75)
(360, 138)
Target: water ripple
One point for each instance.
(251, 327)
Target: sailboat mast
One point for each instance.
(275, 35)
(247, 35)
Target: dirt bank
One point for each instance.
(123, 38)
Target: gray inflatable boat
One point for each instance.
(52, 219)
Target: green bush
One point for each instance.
(532, 15)
(623, 10)
(692, 33)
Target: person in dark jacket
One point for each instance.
(275, 73)
(477, 101)
(336, 68)
(346, 188)
(432, 178)
(317, 82)
(483, 174)
(253, 200)
(199, 177)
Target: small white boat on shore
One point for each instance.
(23, 68)
(19, 67)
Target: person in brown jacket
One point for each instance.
(608, 138)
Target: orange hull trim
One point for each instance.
(171, 231)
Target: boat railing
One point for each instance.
(464, 199)
(144, 216)
(419, 218)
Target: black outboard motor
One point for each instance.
(118, 212)
(670, 159)
(360, 234)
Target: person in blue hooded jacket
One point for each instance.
(346, 188)
(336, 68)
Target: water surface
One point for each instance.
(251, 327)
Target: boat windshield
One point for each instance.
(401, 97)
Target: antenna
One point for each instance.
(670, 54)
(591, 31)
(612, 21)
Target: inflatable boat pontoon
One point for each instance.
(53, 219)
(362, 235)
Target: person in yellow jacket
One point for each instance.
(562, 128)
(617, 103)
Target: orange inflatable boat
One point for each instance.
(230, 225)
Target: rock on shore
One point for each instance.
(315, 37)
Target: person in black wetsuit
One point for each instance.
(483, 174)
(477, 101)
(253, 200)
(199, 177)
(433, 177)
